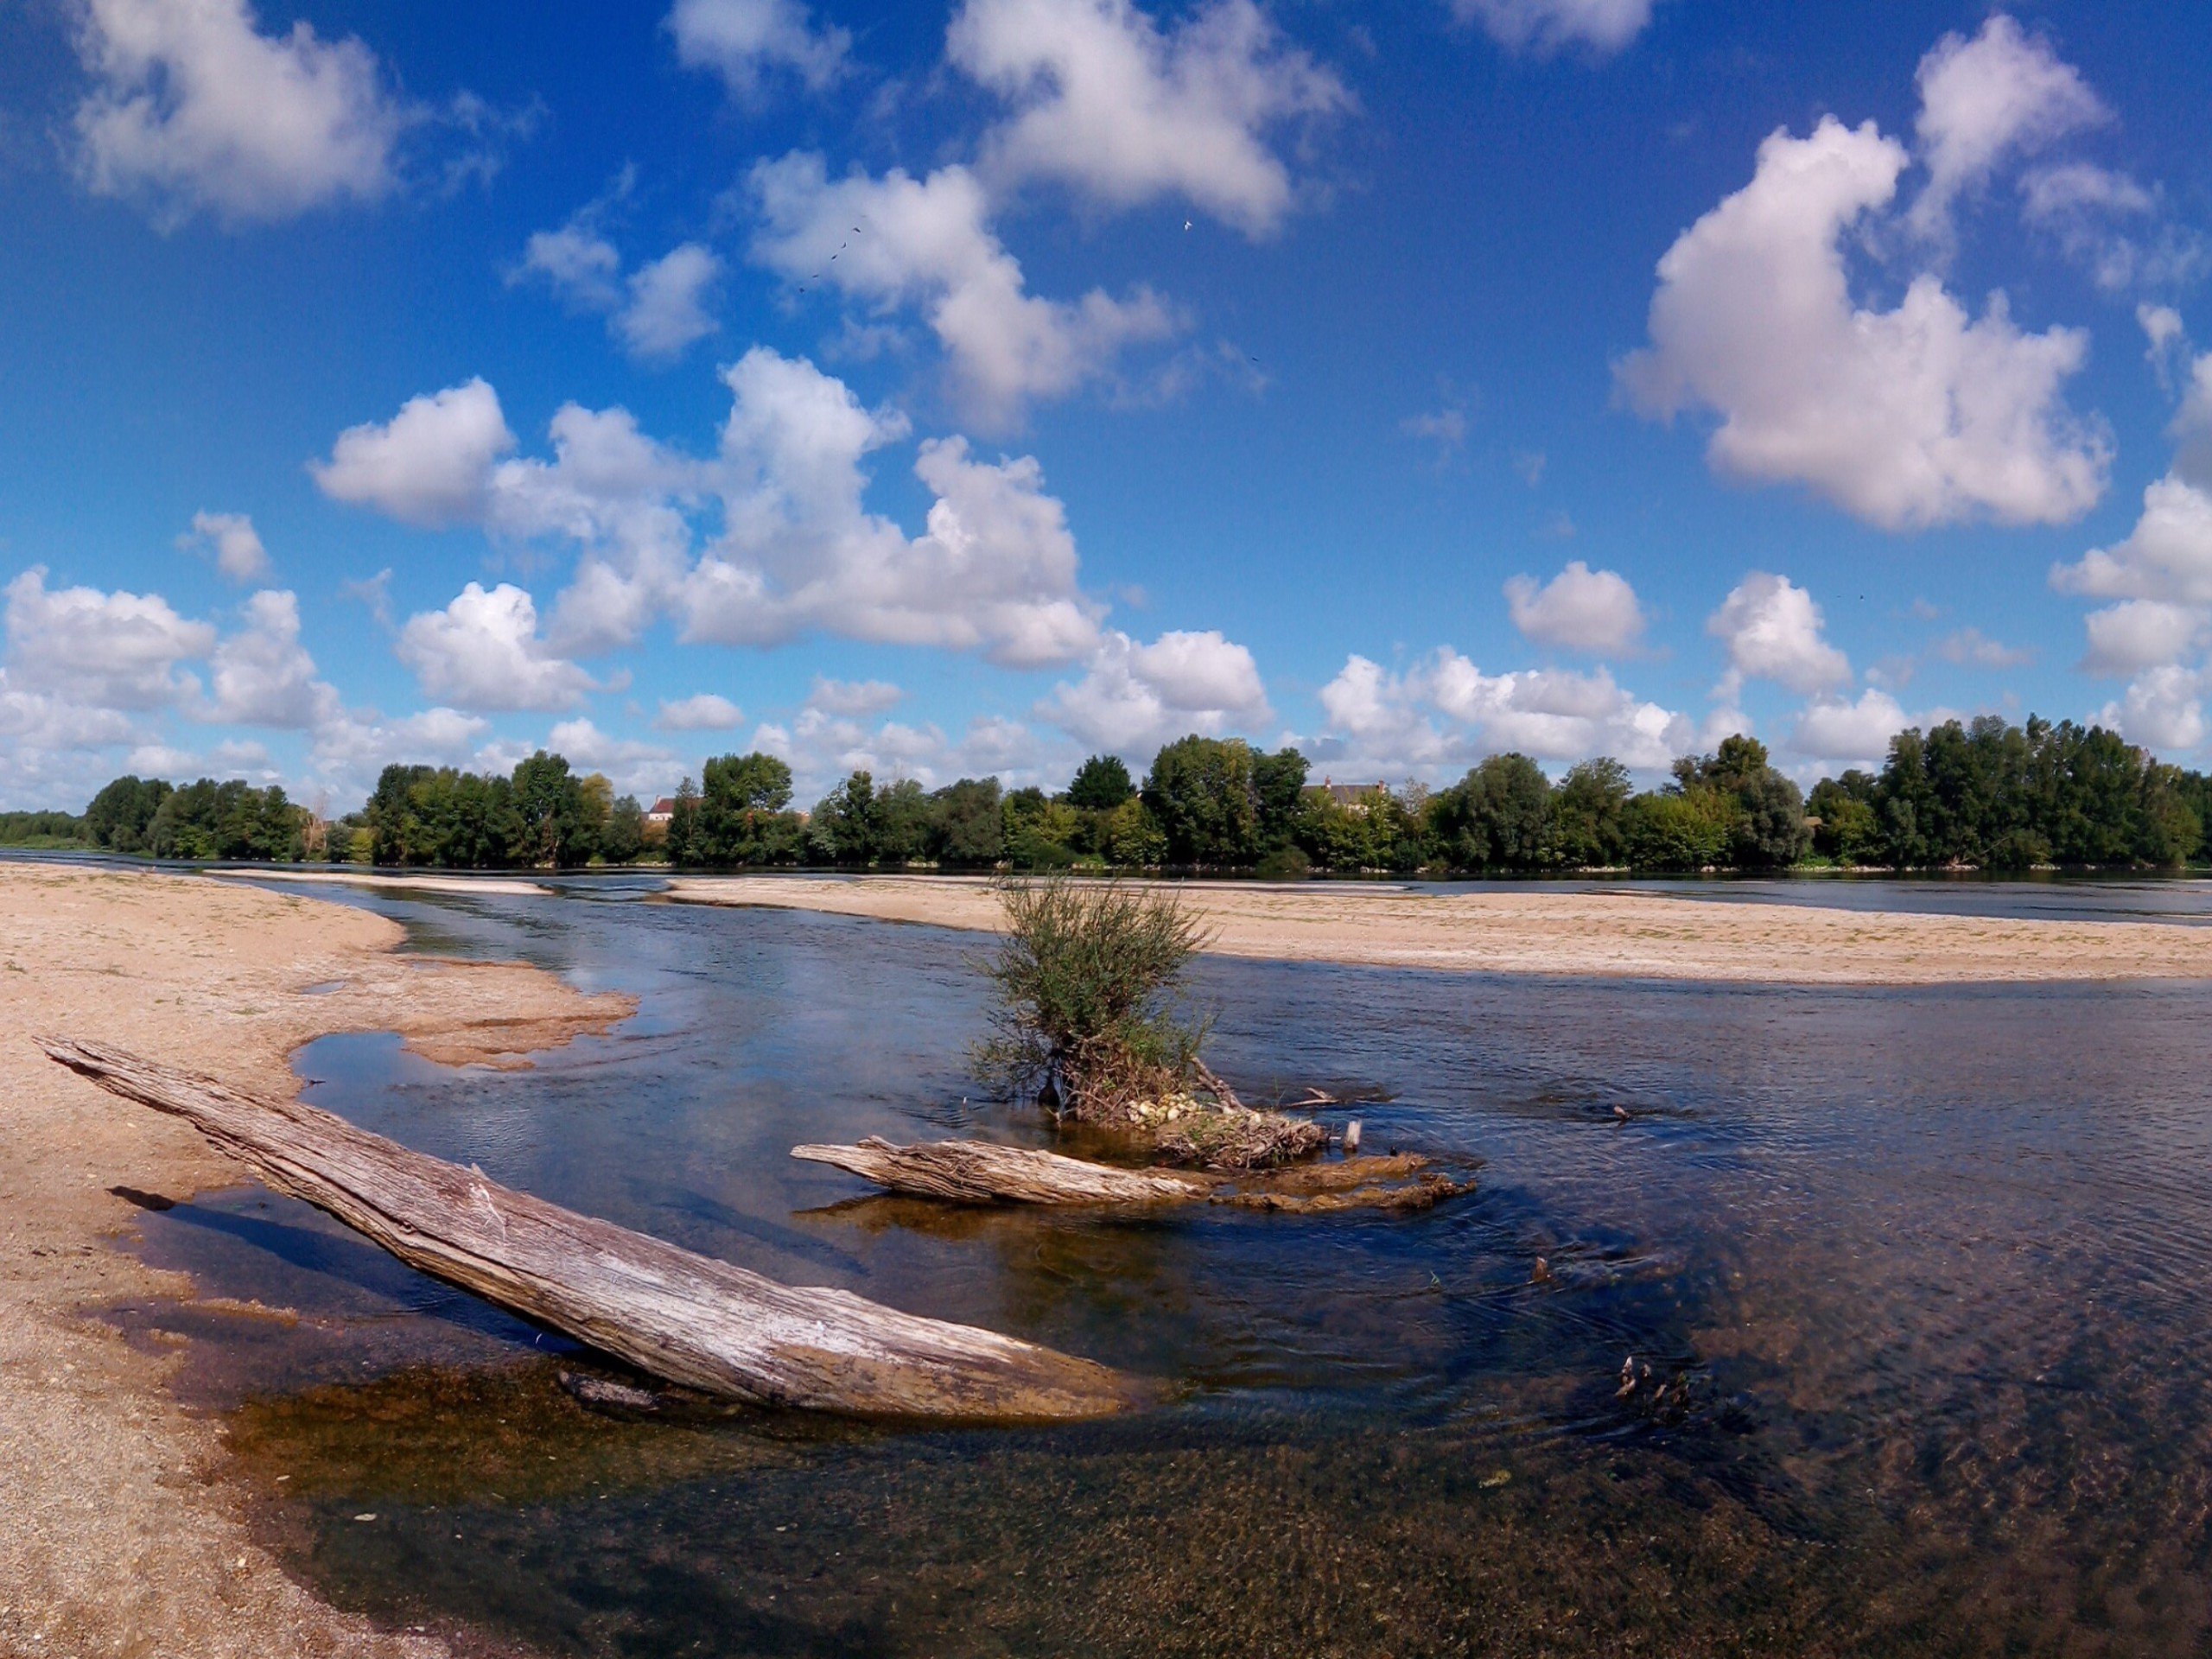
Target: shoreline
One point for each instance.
(122, 1535)
(1564, 934)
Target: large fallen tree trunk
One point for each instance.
(974, 1172)
(687, 1318)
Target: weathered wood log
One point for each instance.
(687, 1318)
(974, 1172)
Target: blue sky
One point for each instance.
(1409, 383)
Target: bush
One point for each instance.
(1285, 864)
(1086, 981)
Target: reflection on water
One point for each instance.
(1912, 1281)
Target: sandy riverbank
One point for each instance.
(118, 1538)
(1620, 934)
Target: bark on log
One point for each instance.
(687, 1318)
(972, 1172)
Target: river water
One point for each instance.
(1918, 1276)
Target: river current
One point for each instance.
(1911, 1284)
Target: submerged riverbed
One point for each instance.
(1917, 1275)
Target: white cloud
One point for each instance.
(2139, 633)
(821, 748)
(995, 570)
(192, 108)
(262, 676)
(2166, 334)
(1772, 631)
(1445, 712)
(1831, 729)
(745, 41)
(1106, 101)
(582, 265)
(2083, 206)
(899, 240)
(232, 539)
(1545, 26)
(2001, 94)
(429, 464)
(353, 745)
(1580, 608)
(632, 767)
(2168, 555)
(482, 653)
(2164, 709)
(115, 651)
(1135, 697)
(1909, 417)
(708, 711)
(1971, 647)
(667, 310)
(853, 699)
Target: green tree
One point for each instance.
(1588, 813)
(843, 827)
(1101, 784)
(557, 829)
(683, 838)
(1848, 831)
(742, 816)
(970, 831)
(1200, 790)
(1687, 830)
(1768, 828)
(120, 815)
(1497, 818)
(624, 837)
(1278, 793)
(904, 821)
(1134, 840)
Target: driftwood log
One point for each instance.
(975, 1171)
(687, 1318)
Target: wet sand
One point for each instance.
(120, 1537)
(1614, 935)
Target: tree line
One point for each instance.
(1985, 795)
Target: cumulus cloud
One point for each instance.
(262, 676)
(657, 313)
(1908, 417)
(1546, 26)
(1772, 630)
(1137, 696)
(1982, 101)
(2163, 708)
(853, 699)
(632, 767)
(1444, 712)
(666, 310)
(1831, 729)
(1580, 608)
(1106, 101)
(482, 653)
(232, 538)
(350, 747)
(708, 711)
(898, 241)
(2139, 633)
(193, 108)
(113, 651)
(995, 570)
(821, 748)
(429, 464)
(747, 42)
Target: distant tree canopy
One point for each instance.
(1983, 795)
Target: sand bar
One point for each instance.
(1549, 930)
(120, 1537)
(513, 887)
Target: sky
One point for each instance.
(954, 390)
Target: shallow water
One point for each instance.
(1921, 1272)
